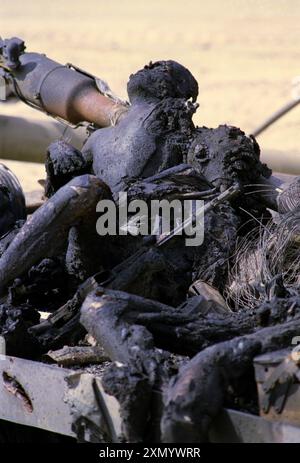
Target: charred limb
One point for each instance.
(139, 368)
(189, 402)
(187, 329)
(45, 233)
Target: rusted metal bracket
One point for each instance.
(277, 376)
(56, 399)
(232, 426)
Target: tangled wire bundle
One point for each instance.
(272, 253)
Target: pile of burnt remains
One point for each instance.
(180, 345)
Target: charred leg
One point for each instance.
(139, 367)
(45, 233)
(197, 394)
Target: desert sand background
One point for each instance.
(244, 54)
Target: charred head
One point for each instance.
(160, 80)
(226, 155)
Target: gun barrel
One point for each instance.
(62, 91)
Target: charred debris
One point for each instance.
(178, 327)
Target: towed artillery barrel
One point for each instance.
(62, 91)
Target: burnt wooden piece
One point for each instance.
(77, 355)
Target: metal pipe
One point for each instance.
(275, 116)
(28, 139)
(63, 92)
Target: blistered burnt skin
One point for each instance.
(63, 163)
(12, 201)
(14, 324)
(161, 80)
(44, 287)
(211, 260)
(225, 155)
(155, 133)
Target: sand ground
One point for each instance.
(244, 53)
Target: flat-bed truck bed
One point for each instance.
(54, 399)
